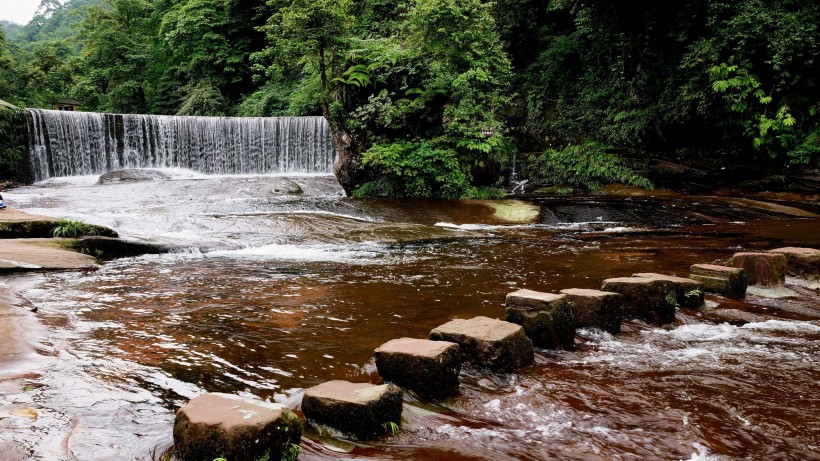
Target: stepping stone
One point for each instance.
(802, 262)
(726, 281)
(488, 342)
(428, 367)
(689, 293)
(766, 269)
(362, 410)
(595, 308)
(547, 318)
(224, 425)
(650, 297)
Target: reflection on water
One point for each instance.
(275, 313)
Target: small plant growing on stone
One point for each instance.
(71, 228)
(391, 427)
(291, 453)
(671, 299)
(694, 293)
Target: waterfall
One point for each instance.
(66, 143)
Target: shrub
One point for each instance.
(70, 228)
(421, 169)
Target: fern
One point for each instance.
(587, 165)
(70, 228)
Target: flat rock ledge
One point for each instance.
(595, 308)
(362, 410)
(224, 425)
(654, 297)
(430, 368)
(764, 269)
(726, 281)
(547, 318)
(488, 342)
(803, 263)
(38, 255)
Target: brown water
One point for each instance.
(127, 345)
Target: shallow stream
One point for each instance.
(272, 292)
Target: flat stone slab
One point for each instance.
(689, 293)
(727, 281)
(801, 262)
(27, 255)
(362, 410)
(547, 318)
(596, 308)
(488, 342)
(764, 269)
(224, 425)
(430, 368)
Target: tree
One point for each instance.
(211, 47)
(117, 55)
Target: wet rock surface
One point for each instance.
(547, 318)
(428, 367)
(595, 308)
(488, 342)
(765, 269)
(726, 281)
(360, 409)
(236, 428)
(108, 247)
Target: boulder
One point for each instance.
(688, 292)
(646, 298)
(801, 262)
(428, 367)
(726, 281)
(224, 425)
(488, 342)
(132, 175)
(547, 318)
(595, 308)
(362, 410)
(766, 269)
(288, 187)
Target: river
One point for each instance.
(271, 292)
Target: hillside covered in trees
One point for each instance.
(436, 98)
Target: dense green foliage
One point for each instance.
(13, 143)
(433, 98)
(587, 165)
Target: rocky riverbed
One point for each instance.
(267, 293)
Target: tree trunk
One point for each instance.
(348, 167)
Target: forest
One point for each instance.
(450, 98)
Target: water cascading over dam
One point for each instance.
(83, 143)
